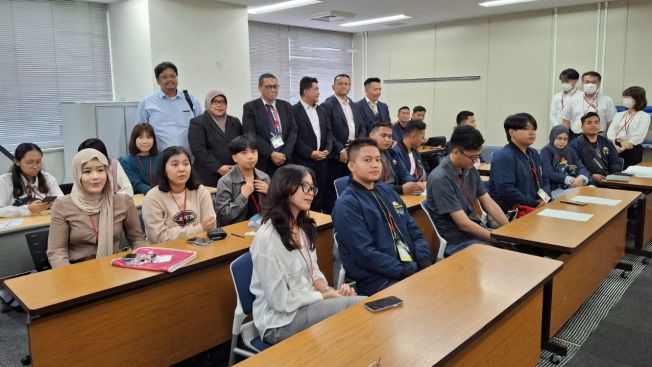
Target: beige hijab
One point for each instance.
(94, 203)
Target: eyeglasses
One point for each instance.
(269, 87)
(218, 102)
(308, 188)
(31, 163)
(472, 157)
(167, 77)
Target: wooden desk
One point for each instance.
(479, 307)
(589, 250)
(484, 169)
(92, 313)
(427, 149)
(413, 203)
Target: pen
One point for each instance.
(237, 235)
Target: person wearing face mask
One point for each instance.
(90, 221)
(561, 164)
(209, 135)
(629, 128)
(566, 96)
(591, 100)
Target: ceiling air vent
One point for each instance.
(331, 16)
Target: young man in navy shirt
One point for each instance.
(378, 241)
(599, 154)
(406, 151)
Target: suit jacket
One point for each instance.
(210, 145)
(368, 116)
(340, 128)
(254, 122)
(306, 138)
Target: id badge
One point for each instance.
(277, 141)
(403, 252)
(542, 194)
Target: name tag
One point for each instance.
(277, 141)
(542, 194)
(403, 252)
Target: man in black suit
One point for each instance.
(314, 141)
(271, 121)
(346, 123)
(373, 110)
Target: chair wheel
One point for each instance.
(26, 361)
(645, 261)
(624, 274)
(554, 359)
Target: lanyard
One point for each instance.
(569, 97)
(385, 164)
(466, 193)
(93, 227)
(396, 234)
(150, 181)
(255, 201)
(310, 267)
(627, 120)
(271, 113)
(533, 171)
(592, 104)
(183, 211)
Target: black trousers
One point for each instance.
(632, 156)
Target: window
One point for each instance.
(50, 52)
(291, 53)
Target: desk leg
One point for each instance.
(640, 233)
(546, 343)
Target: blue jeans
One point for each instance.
(452, 248)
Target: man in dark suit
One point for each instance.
(346, 123)
(373, 110)
(271, 121)
(314, 141)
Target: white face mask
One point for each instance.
(590, 88)
(629, 102)
(566, 87)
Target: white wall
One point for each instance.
(518, 58)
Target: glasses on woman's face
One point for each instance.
(308, 188)
(218, 102)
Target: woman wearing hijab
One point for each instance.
(561, 165)
(89, 221)
(209, 136)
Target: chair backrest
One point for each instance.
(37, 243)
(488, 152)
(241, 269)
(442, 241)
(621, 163)
(341, 184)
(66, 188)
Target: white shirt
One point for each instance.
(370, 103)
(632, 129)
(559, 101)
(580, 107)
(123, 180)
(413, 163)
(348, 113)
(7, 194)
(281, 280)
(314, 121)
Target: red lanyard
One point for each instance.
(183, 211)
(533, 171)
(150, 181)
(385, 165)
(591, 104)
(255, 201)
(93, 227)
(310, 267)
(628, 120)
(466, 193)
(274, 117)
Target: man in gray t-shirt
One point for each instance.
(453, 189)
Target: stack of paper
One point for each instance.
(595, 200)
(10, 223)
(563, 214)
(640, 171)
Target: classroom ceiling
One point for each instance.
(421, 11)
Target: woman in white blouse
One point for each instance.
(629, 128)
(291, 292)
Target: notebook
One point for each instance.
(155, 259)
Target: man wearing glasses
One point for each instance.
(270, 121)
(454, 188)
(169, 109)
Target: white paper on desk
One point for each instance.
(563, 214)
(640, 171)
(11, 223)
(596, 200)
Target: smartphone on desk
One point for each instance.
(199, 241)
(383, 304)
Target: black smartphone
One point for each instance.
(383, 304)
(199, 241)
(48, 199)
(578, 203)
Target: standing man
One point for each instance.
(314, 141)
(371, 108)
(346, 124)
(399, 126)
(418, 113)
(170, 109)
(566, 96)
(271, 122)
(590, 101)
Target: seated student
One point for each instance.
(291, 292)
(561, 165)
(379, 242)
(393, 172)
(406, 151)
(629, 128)
(178, 206)
(398, 128)
(599, 154)
(22, 189)
(240, 193)
(466, 118)
(90, 221)
(454, 188)
(517, 178)
(140, 164)
(118, 178)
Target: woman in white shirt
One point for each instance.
(291, 292)
(23, 189)
(118, 178)
(629, 128)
